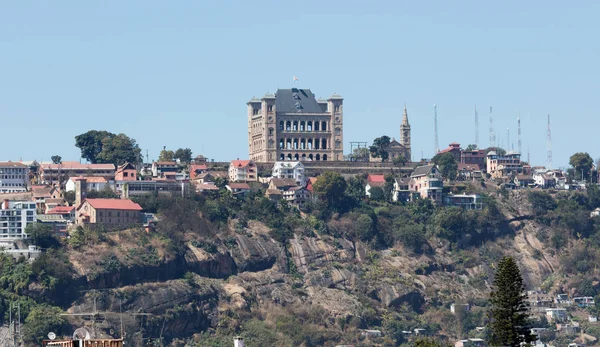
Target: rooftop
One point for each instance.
(296, 101)
(73, 165)
(12, 164)
(240, 163)
(114, 204)
(375, 178)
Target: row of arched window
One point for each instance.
(302, 125)
(302, 157)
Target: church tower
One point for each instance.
(405, 135)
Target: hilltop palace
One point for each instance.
(293, 125)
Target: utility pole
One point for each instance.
(436, 145)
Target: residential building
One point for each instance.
(243, 171)
(310, 184)
(14, 177)
(294, 170)
(205, 177)
(524, 181)
(547, 178)
(427, 182)
(558, 314)
(454, 149)
(456, 307)
(238, 188)
(60, 173)
(469, 172)
(292, 125)
(401, 189)
(196, 170)
(14, 218)
(164, 168)
(126, 172)
(466, 201)
(110, 212)
(584, 301)
(126, 189)
(372, 182)
(473, 157)
(92, 183)
(286, 189)
(205, 187)
(41, 194)
(504, 166)
(57, 222)
(470, 343)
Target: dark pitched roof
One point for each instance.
(422, 170)
(296, 101)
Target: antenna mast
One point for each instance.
(519, 134)
(508, 139)
(436, 144)
(492, 135)
(549, 146)
(476, 128)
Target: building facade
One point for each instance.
(294, 170)
(57, 173)
(13, 177)
(242, 171)
(110, 212)
(14, 218)
(427, 182)
(292, 125)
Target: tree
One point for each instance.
(379, 148)
(377, 194)
(90, 144)
(120, 149)
(166, 155)
(42, 235)
(184, 155)
(56, 159)
(509, 324)
(103, 147)
(424, 342)
(360, 154)
(582, 163)
(399, 161)
(330, 187)
(471, 147)
(42, 320)
(447, 164)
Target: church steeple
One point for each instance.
(405, 134)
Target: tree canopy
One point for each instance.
(379, 148)
(56, 159)
(103, 147)
(582, 163)
(471, 147)
(509, 323)
(447, 164)
(166, 155)
(184, 155)
(331, 187)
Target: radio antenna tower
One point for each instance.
(519, 134)
(436, 144)
(508, 139)
(549, 146)
(476, 128)
(492, 135)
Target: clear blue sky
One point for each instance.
(178, 73)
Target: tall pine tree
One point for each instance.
(509, 323)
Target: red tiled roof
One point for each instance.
(75, 165)
(114, 204)
(91, 179)
(206, 186)
(12, 164)
(240, 163)
(376, 184)
(238, 186)
(198, 167)
(61, 210)
(376, 178)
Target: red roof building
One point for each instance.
(376, 178)
(111, 212)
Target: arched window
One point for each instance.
(282, 157)
(296, 157)
(316, 126)
(303, 157)
(281, 125)
(289, 156)
(317, 143)
(281, 144)
(303, 144)
(338, 131)
(310, 144)
(324, 157)
(295, 126)
(309, 126)
(288, 125)
(295, 143)
(302, 126)
(323, 126)
(324, 143)
(310, 157)
(318, 157)
(337, 144)
(288, 144)
(271, 131)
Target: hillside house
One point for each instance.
(504, 166)
(165, 169)
(465, 201)
(243, 171)
(126, 189)
(92, 183)
(372, 182)
(196, 170)
(14, 218)
(287, 169)
(14, 177)
(238, 188)
(473, 157)
(43, 193)
(469, 172)
(126, 172)
(427, 182)
(557, 314)
(454, 149)
(470, 343)
(109, 212)
(524, 181)
(401, 189)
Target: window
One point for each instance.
(270, 108)
(255, 111)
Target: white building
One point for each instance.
(13, 177)
(290, 169)
(242, 171)
(14, 218)
(91, 183)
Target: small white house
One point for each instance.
(290, 169)
(91, 183)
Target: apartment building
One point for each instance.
(13, 177)
(14, 218)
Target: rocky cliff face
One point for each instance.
(180, 293)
